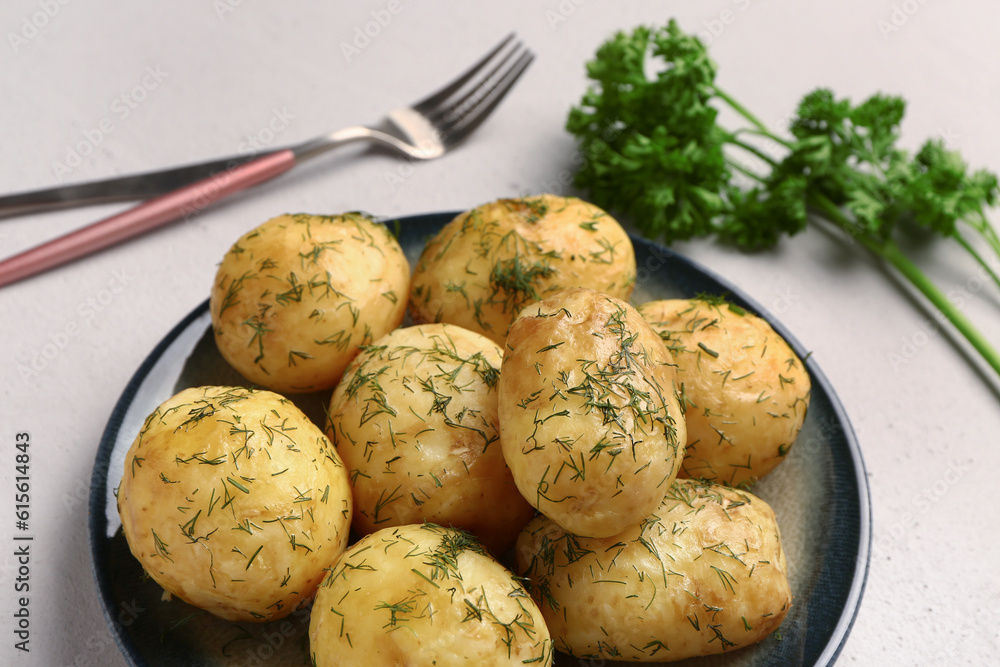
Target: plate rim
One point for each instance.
(97, 521)
(859, 579)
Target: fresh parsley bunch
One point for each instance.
(655, 151)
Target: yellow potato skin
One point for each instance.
(424, 595)
(745, 390)
(233, 501)
(415, 421)
(590, 423)
(294, 298)
(488, 263)
(704, 574)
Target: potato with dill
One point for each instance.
(415, 422)
(294, 298)
(422, 594)
(745, 390)
(590, 423)
(703, 574)
(488, 263)
(233, 501)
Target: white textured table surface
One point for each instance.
(92, 89)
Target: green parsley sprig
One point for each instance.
(656, 152)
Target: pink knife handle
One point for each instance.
(188, 200)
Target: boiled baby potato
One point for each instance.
(487, 264)
(589, 419)
(415, 422)
(295, 297)
(705, 573)
(422, 594)
(745, 391)
(235, 502)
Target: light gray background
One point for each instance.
(227, 71)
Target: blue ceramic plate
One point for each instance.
(820, 496)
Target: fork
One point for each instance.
(422, 131)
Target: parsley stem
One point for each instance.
(743, 111)
(979, 258)
(890, 252)
(750, 148)
(746, 171)
(739, 108)
(985, 229)
(760, 133)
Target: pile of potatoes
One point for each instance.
(531, 465)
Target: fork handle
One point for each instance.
(188, 200)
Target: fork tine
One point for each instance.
(435, 99)
(459, 101)
(461, 120)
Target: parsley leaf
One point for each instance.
(655, 152)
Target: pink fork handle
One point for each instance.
(156, 212)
